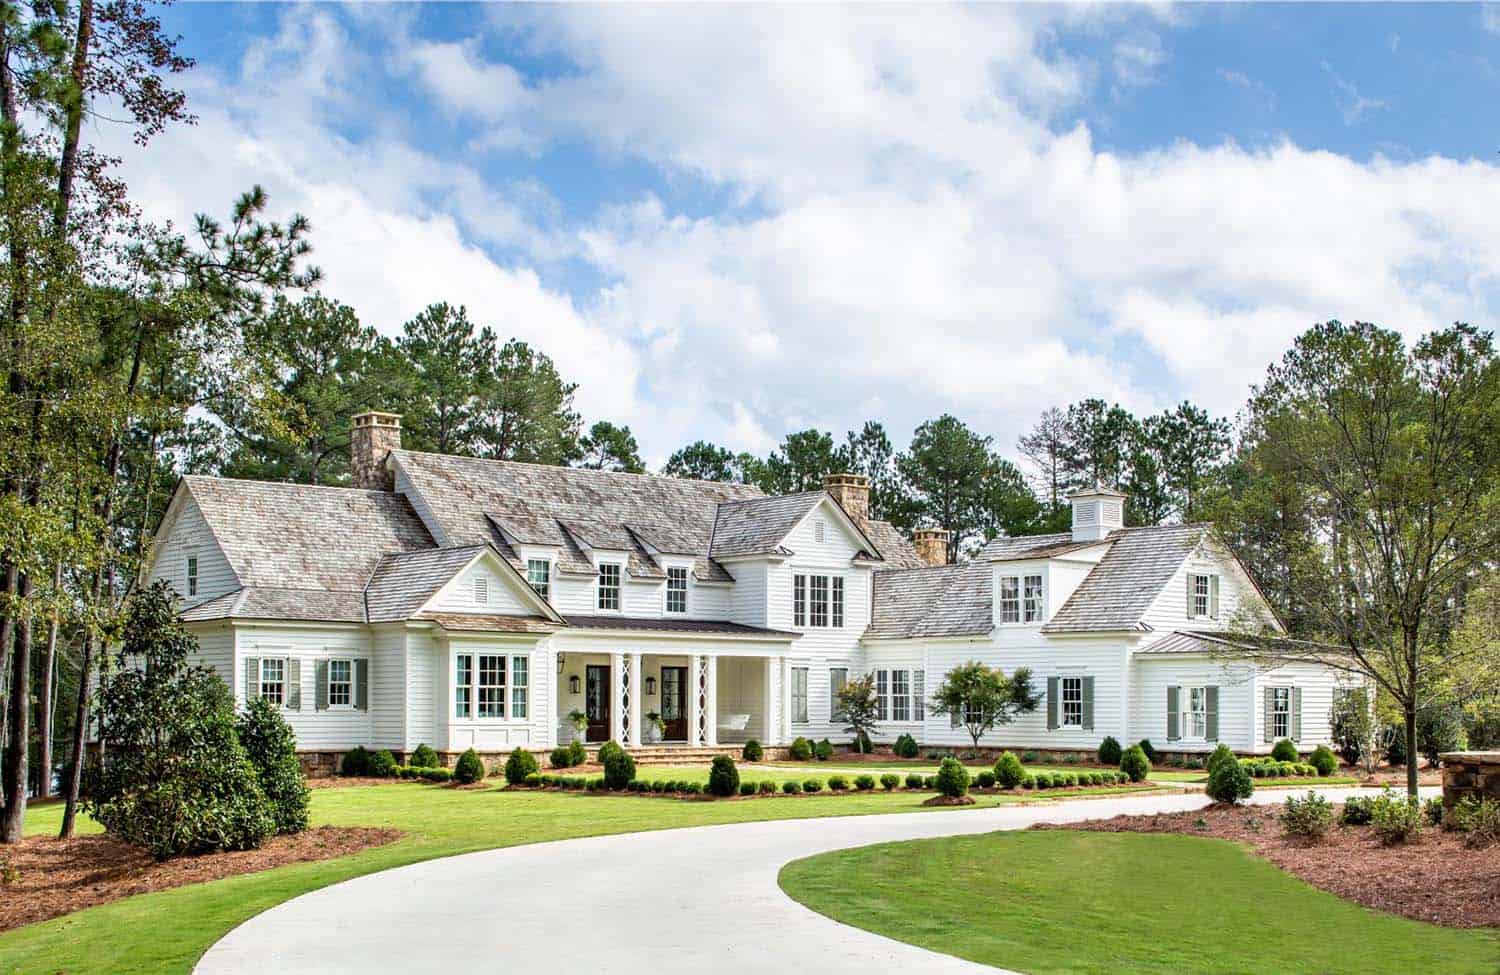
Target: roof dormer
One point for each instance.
(1097, 511)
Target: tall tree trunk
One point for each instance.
(18, 739)
(68, 166)
(45, 695)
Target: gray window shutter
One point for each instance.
(1174, 713)
(1296, 721)
(1213, 596)
(1052, 685)
(362, 684)
(1088, 704)
(293, 684)
(1268, 704)
(1211, 715)
(320, 678)
(252, 678)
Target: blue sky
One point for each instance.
(730, 223)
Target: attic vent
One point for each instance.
(1086, 512)
(1112, 512)
(481, 590)
(820, 528)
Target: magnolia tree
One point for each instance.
(980, 698)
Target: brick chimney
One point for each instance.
(931, 545)
(374, 436)
(852, 492)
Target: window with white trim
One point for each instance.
(1203, 599)
(609, 585)
(817, 600)
(799, 600)
(677, 586)
(882, 692)
(192, 575)
(520, 685)
(837, 584)
(1072, 702)
(818, 603)
(539, 575)
(919, 695)
(900, 695)
(463, 685)
(799, 694)
(1195, 719)
(491, 686)
(1281, 712)
(481, 590)
(273, 680)
(1033, 607)
(340, 683)
(1010, 599)
(837, 678)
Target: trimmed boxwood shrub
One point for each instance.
(752, 752)
(929, 782)
(383, 764)
(914, 780)
(423, 757)
(1324, 760)
(438, 774)
(747, 788)
(272, 749)
(864, 783)
(356, 761)
(1284, 751)
(768, 788)
(823, 750)
(1135, 763)
(1145, 746)
(837, 783)
(577, 754)
(801, 750)
(468, 769)
(905, 747)
(619, 767)
(812, 785)
(1219, 756)
(1008, 770)
(534, 779)
(889, 781)
(559, 757)
(952, 778)
(723, 777)
(1110, 751)
(984, 780)
(520, 764)
(693, 788)
(791, 788)
(1043, 780)
(1229, 783)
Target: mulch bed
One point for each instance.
(43, 877)
(1437, 879)
(949, 801)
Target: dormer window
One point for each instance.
(1203, 596)
(481, 590)
(677, 589)
(1022, 599)
(1032, 608)
(539, 574)
(609, 586)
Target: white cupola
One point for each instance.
(1097, 511)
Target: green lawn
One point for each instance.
(1075, 902)
(168, 931)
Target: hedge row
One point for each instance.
(888, 782)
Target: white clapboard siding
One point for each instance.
(185, 533)
(502, 595)
(330, 730)
(502, 734)
(1151, 675)
(1237, 596)
(215, 647)
(747, 600)
(1317, 684)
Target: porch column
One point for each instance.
(617, 702)
(711, 694)
(768, 717)
(783, 705)
(634, 688)
(695, 709)
(546, 706)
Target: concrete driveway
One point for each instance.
(694, 900)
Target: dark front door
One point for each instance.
(674, 703)
(596, 701)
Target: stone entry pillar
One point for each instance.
(1470, 775)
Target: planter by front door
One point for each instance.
(674, 703)
(596, 701)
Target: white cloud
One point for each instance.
(1352, 105)
(1262, 94)
(1136, 60)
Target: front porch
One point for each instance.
(699, 701)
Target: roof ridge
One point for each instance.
(287, 484)
(587, 471)
(771, 497)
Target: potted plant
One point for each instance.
(655, 727)
(580, 723)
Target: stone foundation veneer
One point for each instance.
(1470, 774)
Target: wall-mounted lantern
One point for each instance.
(650, 686)
(573, 684)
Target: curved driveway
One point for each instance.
(695, 900)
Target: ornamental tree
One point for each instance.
(980, 698)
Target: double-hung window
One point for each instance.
(609, 586)
(520, 679)
(340, 683)
(1281, 712)
(817, 600)
(539, 574)
(463, 685)
(192, 575)
(1032, 610)
(900, 695)
(799, 694)
(677, 589)
(837, 678)
(1010, 599)
(1072, 702)
(491, 685)
(273, 680)
(919, 695)
(1203, 596)
(882, 692)
(1197, 713)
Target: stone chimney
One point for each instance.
(1097, 511)
(931, 545)
(374, 436)
(852, 492)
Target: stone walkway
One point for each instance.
(694, 900)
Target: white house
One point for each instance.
(461, 602)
